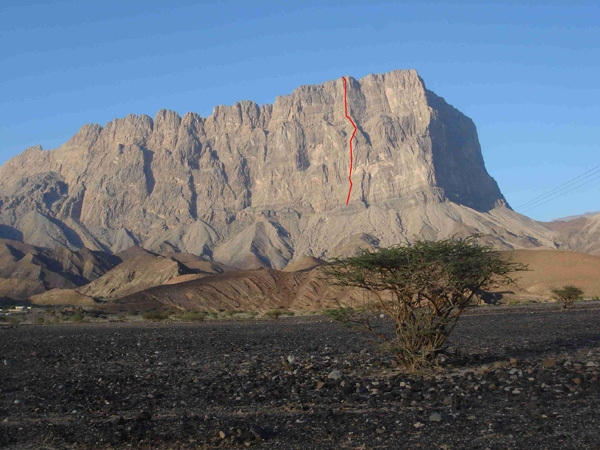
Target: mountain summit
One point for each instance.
(264, 185)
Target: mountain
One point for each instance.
(568, 218)
(26, 270)
(581, 233)
(138, 271)
(262, 186)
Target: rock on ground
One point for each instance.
(232, 385)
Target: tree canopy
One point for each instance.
(423, 288)
(568, 294)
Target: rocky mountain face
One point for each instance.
(260, 186)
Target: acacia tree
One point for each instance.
(423, 288)
(568, 294)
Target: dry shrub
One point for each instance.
(423, 288)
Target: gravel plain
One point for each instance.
(515, 378)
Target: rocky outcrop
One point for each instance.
(255, 186)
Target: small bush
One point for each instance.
(154, 316)
(14, 320)
(192, 316)
(341, 314)
(39, 320)
(568, 294)
(273, 314)
(94, 313)
(77, 317)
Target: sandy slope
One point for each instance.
(551, 269)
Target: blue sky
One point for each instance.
(526, 72)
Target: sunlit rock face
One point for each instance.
(264, 185)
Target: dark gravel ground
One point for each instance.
(519, 378)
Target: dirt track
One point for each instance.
(224, 385)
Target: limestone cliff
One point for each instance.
(264, 185)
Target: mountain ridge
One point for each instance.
(262, 186)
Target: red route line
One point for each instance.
(350, 142)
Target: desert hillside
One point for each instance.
(168, 284)
(550, 269)
(580, 233)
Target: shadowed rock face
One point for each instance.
(26, 270)
(264, 185)
(138, 270)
